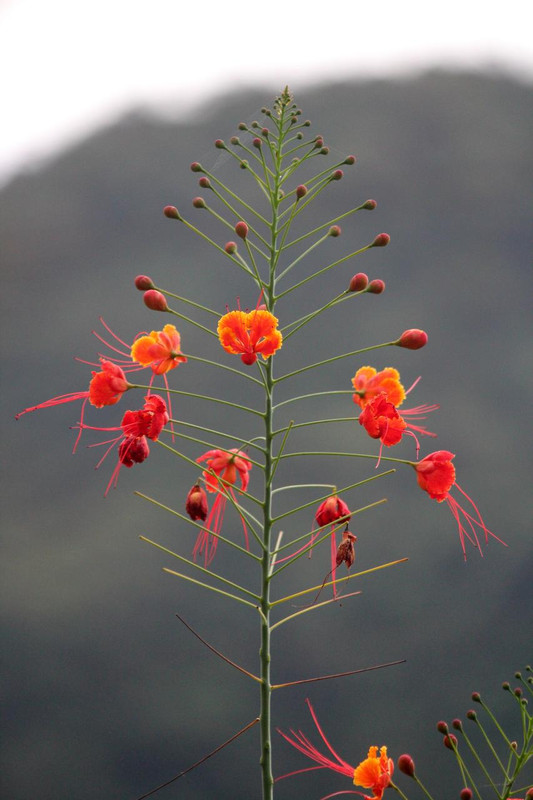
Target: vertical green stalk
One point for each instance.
(265, 656)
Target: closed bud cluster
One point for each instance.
(406, 765)
(358, 283)
(370, 205)
(230, 247)
(466, 794)
(334, 231)
(204, 182)
(381, 240)
(198, 202)
(171, 212)
(143, 282)
(155, 300)
(241, 229)
(412, 339)
(301, 191)
(377, 286)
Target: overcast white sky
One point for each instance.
(67, 66)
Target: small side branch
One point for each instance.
(338, 674)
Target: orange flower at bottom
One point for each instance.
(374, 772)
(249, 334)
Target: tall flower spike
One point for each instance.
(223, 469)
(160, 350)
(373, 773)
(249, 333)
(436, 475)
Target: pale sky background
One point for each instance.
(68, 67)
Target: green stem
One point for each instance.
(331, 360)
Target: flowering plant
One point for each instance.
(223, 476)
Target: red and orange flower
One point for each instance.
(160, 350)
(436, 475)
(249, 333)
(374, 773)
(369, 383)
(223, 467)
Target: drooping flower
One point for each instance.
(160, 350)
(107, 386)
(223, 467)
(333, 511)
(196, 503)
(368, 383)
(374, 772)
(436, 475)
(136, 427)
(249, 333)
(382, 420)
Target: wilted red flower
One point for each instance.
(346, 549)
(132, 450)
(436, 476)
(373, 773)
(196, 503)
(223, 468)
(249, 334)
(160, 350)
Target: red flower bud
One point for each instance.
(350, 160)
(171, 212)
(301, 191)
(196, 503)
(376, 286)
(442, 727)
(257, 142)
(220, 144)
(143, 282)
(204, 182)
(230, 247)
(242, 126)
(466, 794)
(337, 175)
(155, 300)
(450, 741)
(324, 151)
(476, 697)
(358, 283)
(381, 240)
(370, 205)
(235, 140)
(406, 765)
(457, 724)
(196, 167)
(471, 714)
(198, 202)
(413, 339)
(334, 231)
(241, 229)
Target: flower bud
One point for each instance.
(358, 283)
(196, 167)
(457, 724)
(337, 175)
(143, 282)
(450, 741)
(413, 339)
(235, 140)
(241, 229)
(196, 503)
(529, 794)
(204, 182)
(476, 697)
(381, 240)
(324, 151)
(506, 687)
(230, 247)
(466, 794)
(265, 132)
(220, 144)
(155, 300)
(376, 286)
(442, 727)
(471, 714)
(257, 142)
(243, 164)
(350, 160)
(198, 202)
(171, 212)
(518, 692)
(319, 142)
(406, 765)
(334, 231)
(370, 205)
(242, 126)
(301, 191)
